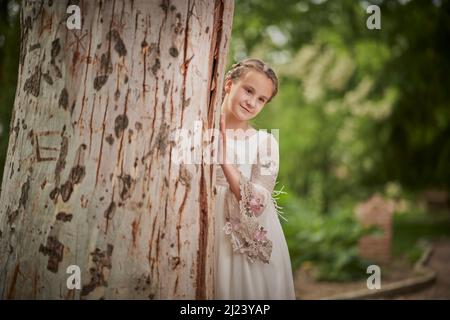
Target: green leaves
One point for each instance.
(328, 243)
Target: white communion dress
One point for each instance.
(251, 254)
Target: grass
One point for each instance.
(410, 229)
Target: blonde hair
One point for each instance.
(242, 67)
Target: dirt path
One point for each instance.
(307, 288)
(439, 262)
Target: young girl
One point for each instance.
(252, 259)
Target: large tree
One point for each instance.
(89, 180)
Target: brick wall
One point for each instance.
(378, 212)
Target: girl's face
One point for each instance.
(248, 95)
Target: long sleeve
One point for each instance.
(244, 217)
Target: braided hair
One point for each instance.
(242, 67)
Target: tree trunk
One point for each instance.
(89, 180)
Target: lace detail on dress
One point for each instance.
(247, 235)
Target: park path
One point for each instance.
(440, 263)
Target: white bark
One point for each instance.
(88, 179)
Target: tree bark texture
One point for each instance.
(89, 179)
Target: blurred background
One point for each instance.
(364, 120)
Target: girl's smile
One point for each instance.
(245, 109)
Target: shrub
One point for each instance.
(327, 242)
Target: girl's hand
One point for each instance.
(223, 137)
(231, 173)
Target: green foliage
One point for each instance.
(328, 243)
(373, 104)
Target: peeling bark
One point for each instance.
(89, 179)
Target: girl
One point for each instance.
(252, 259)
